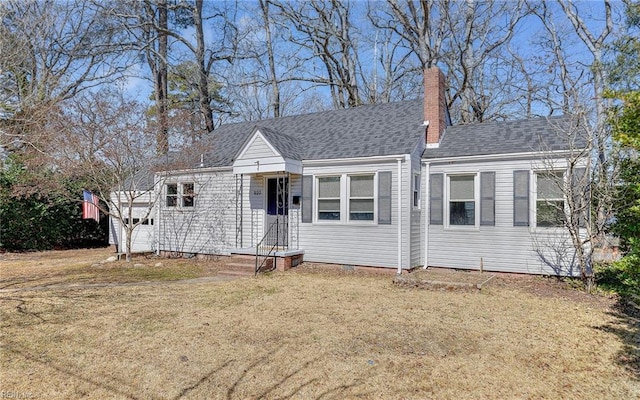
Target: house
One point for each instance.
(390, 185)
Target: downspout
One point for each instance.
(241, 210)
(288, 192)
(399, 216)
(158, 205)
(426, 213)
(235, 176)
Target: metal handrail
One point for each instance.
(275, 245)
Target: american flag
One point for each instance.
(90, 206)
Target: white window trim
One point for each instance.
(345, 196)
(416, 177)
(182, 195)
(179, 196)
(316, 199)
(534, 206)
(374, 221)
(176, 195)
(447, 200)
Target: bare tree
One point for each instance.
(600, 138)
(105, 137)
(156, 52)
(476, 43)
(161, 33)
(422, 26)
(267, 72)
(206, 56)
(468, 40)
(51, 51)
(576, 87)
(324, 28)
(571, 206)
(273, 76)
(399, 79)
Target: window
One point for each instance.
(188, 195)
(347, 198)
(361, 199)
(172, 194)
(185, 197)
(416, 190)
(329, 198)
(550, 199)
(462, 204)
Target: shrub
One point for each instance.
(622, 276)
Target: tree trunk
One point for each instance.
(275, 87)
(161, 80)
(204, 100)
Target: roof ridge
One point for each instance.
(521, 120)
(333, 111)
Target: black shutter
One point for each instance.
(487, 198)
(521, 198)
(384, 197)
(436, 198)
(307, 198)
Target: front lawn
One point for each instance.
(309, 333)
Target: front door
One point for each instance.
(277, 211)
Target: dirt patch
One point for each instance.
(433, 279)
(89, 266)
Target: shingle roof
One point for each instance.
(371, 130)
(509, 137)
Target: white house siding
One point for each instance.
(253, 212)
(417, 242)
(360, 244)
(114, 231)
(209, 226)
(295, 216)
(502, 247)
(258, 149)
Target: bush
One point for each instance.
(38, 219)
(622, 276)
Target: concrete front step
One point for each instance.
(242, 257)
(241, 265)
(229, 272)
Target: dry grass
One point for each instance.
(310, 334)
(21, 270)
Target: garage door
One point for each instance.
(142, 239)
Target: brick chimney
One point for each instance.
(434, 105)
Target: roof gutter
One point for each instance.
(492, 157)
(173, 172)
(352, 160)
